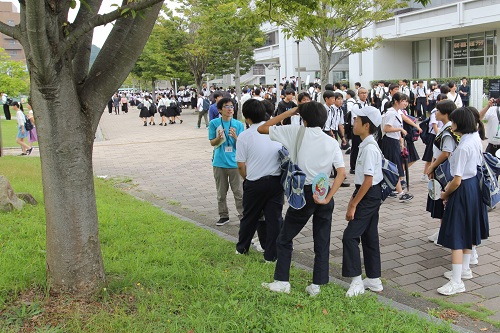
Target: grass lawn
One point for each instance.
(166, 275)
(9, 133)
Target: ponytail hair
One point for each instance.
(480, 125)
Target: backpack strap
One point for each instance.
(298, 143)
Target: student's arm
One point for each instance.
(353, 203)
(264, 128)
(410, 122)
(342, 132)
(451, 187)
(482, 113)
(242, 169)
(389, 129)
(335, 186)
(435, 128)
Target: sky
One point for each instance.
(100, 33)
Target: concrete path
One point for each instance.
(172, 166)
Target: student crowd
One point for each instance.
(370, 125)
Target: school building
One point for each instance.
(446, 38)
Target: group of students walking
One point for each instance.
(253, 155)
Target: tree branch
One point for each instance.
(11, 31)
(103, 19)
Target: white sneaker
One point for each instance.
(466, 275)
(424, 178)
(278, 286)
(433, 237)
(312, 290)
(238, 253)
(355, 289)
(256, 245)
(451, 288)
(373, 284)
(474, 259)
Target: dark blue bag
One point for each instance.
(488, 181)
(292, 177)
(391, 175)
(442, 173)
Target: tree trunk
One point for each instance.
(324, 68)
(238, 87)
(153, 89)
(74, 260)
(199, 83)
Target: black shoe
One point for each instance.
(165, 124)
(345, 184)
(348, 151)
(154, 123)
(145, 124)
(352, 172)
(29, 151)
(181, 121)
(222, 221)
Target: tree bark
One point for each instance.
(74, 261)
(324, 68)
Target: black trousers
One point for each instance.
(355, 142)
(6, 111)
(465, 103)
(364, 228)
(295, 220)
(264, 194)
(421, 107)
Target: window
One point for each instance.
(469, 55)
(12, 42)
(12, 53)
(422, 58)
(272, 38)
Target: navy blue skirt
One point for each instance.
(465, 218)
(435, 207)
(428, 148)
(392, 151)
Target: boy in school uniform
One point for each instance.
(363, 209)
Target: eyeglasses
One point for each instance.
(228, 106)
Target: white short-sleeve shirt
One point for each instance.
(393, 118)
(318, 153)
(465, 159)
(369, 162)
(447, 143)
(432, 121)
(259, 153)
(493, 125)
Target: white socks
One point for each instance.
(456, 270)
(474, 252)
(466, 262)
(357, 279)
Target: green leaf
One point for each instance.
(72, 4)
(125, 10)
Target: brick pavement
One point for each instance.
(173, 164)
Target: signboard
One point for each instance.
(494, 88)
(476, 48)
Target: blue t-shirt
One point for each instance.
(222, 158)
(213, 112)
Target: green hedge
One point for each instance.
(440, 80)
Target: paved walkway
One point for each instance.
(172, 165)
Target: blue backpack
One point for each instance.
(206, 104)
(487, 174)
(391, 175)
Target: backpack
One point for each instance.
(206, 104)
(412, 131)
(487, 174)
(424, 125)
(140, 105)
(347, 121)
(391, 175)
(28, 125)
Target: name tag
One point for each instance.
(228, 149)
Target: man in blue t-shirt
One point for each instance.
(213, 112)
(223, 133)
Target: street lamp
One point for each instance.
(298, 65)
(175, 83)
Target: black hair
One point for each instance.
(393, 86)
(451, 84)
(351, 93)
(217, 94)
(345, 85)
(223, 101)
(357, 84)
(398, 97)
(442, 97)
(467, 122)
(337, 85)
(464, 78)
(446, 106)
(256, 92)
(17, 104)
(313, 113)
(444, 89)
(268, 107)
(420, 81)
(254, 110)
(405, 81)
(364, 120)
(480, 126)
(329, 87)
(289, 91)
(328, 94)
(301, 96)
(338, 95)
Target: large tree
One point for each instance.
(68, 98)
(331, 25)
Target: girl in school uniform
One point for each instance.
(445, 143)
(317, 154)
(465, 218)
(392, 141)
(434, 126)
(363, 209)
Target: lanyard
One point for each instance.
(222, 124)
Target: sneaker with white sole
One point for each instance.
(466, 275)
(424, 178)
(405, 197)
(451, 288)
(373, 284)
(312, 290)
(474, 258)
(222, 221)
(433, 237)
(355, 289)
(278, 286)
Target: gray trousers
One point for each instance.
(204, 114)
(223, 178)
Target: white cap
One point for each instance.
(372, 113)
